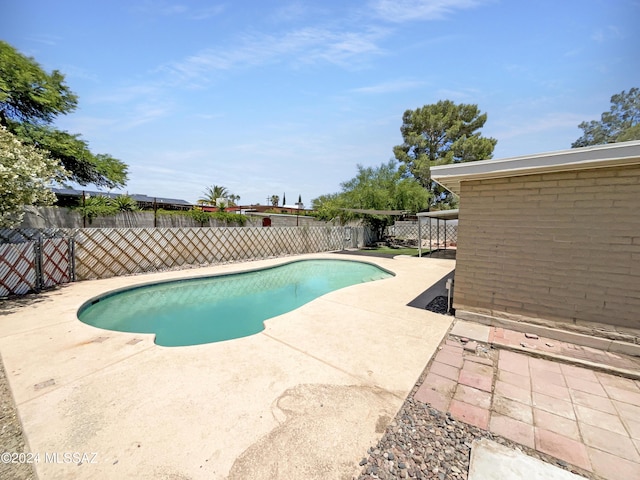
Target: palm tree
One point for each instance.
(233, 200)
(274, 200)
(124, 203)
(212, 194)
(99, 206)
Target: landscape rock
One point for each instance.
(422, 442)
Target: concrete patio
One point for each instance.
(302, 399)
(575, 406)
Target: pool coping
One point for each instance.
(84, 389)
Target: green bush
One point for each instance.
(230, 218)
(124, 203)
(203, 217)
(199, 216)
(96, 207)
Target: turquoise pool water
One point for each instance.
(212, 309)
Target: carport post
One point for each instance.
(445, 234)
(430, 247)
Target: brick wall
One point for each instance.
(563, 247)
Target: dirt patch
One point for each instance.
(14, 303)
(11, 436)
(326, 424)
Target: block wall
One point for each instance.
(563, 247)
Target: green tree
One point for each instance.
(620, 124)
(383, 188)
(25, 174)
(441, 134)
(31, 100)
(330, 206)
(275, 199)
(233, 199)
(212, 194)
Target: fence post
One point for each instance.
(72, 259)
(445, 235)
(37, 251)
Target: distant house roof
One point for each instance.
(600, 156)
(137, 197)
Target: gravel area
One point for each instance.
(439, 305)
(422, 442)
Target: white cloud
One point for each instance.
(125, 95)
(546, 123)
(205, 13)
(167, 9)
(173, 9)
(90, 126)
(142, 114)
(411, 10)
(389, 87)
(464, 95)
(573, 53)
(290, 12)
(604, 34)
(307, 45)
(45, 39)
(74, 71)
(208, 116)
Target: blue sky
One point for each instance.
(266, 97)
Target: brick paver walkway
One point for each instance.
(586, 418)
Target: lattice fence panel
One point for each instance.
(452, 234)
(446, 232)
(56, 268)
(109, 252)
(335, 239)
(17, 268)
(439, 236)
(406, 230)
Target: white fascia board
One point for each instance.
(600, 156)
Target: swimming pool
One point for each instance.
(212, 309)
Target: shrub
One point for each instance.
(96, 207)
(199, 216)
(124, 203)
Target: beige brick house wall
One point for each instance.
(562, 247)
